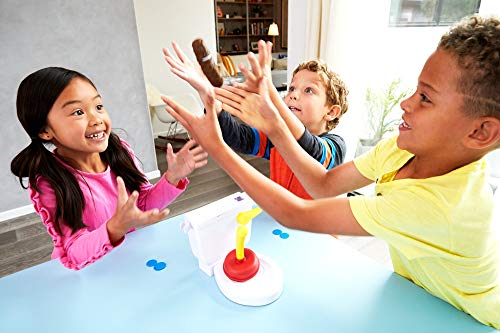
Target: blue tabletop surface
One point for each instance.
(328, 287)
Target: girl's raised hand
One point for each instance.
(190, 72)
(128, 216)
(189, 158)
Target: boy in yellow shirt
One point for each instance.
(433, 204)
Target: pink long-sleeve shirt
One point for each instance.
(100, 191)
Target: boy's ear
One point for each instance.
(333, 113)
(486, 133)
(45, 135)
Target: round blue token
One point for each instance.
(151, 263)
(284, 235)
(159, 266)
(276, 232)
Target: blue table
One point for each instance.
(328, 288)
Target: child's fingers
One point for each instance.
(180, 54)
(232, 93)
(200, 156)
(121, 192)
(173, 63)
(179, 118)
(170, 152)
(235, 112)
(154, 216)
(180, 73)
(226, 102)
(201, 163)
(248, 74)
(188, 145)
(263, 54)
(255, 65)
(263, 88)
(132, 201)
(196, 150)
(178, 109)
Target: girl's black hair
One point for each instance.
(36, 95)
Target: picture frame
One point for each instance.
(221, 30)
(254, 46)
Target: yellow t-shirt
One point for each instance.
(440, 230)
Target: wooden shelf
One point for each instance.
(244, 36)
(221, 19)
(251, 28)
(267, 3)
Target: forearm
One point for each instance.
(85, 247)
(161, 194)
(293, 123)
(236, 135)
(332, 215)
(274, 199)
(312, 175)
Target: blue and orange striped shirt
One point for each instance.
(328, 149)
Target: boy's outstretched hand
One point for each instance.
(191, 73)
(257, 110)
(204, 129)
(261, 67)
(128, 216)
(188, 159)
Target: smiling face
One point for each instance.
(77, 124)
(433, 120)
(306, 98)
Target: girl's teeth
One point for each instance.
(95, 136)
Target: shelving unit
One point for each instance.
(242, 23)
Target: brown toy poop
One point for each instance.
(207, 63)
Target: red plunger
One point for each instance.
(241, 270)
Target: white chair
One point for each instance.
(166, 127)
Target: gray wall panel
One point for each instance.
(96, 37)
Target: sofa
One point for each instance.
(229, 68)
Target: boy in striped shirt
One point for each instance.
(315, 101)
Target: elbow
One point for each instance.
(293, 215)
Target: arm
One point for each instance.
(261, 68)
(258, 111)
(332, 215)
(174, 181)
(328, 149)
(78, 249)
(191, 73)
(239, 136)
(243, 138)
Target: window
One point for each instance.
(423, 13)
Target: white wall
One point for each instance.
(159, 22)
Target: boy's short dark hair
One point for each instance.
(475, 42)
(336, 91)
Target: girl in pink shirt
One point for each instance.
(89, 191)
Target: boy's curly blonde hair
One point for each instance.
(475, 42)
(336, 91)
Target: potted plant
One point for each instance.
(256, 10)
(381, 118)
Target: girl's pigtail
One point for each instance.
(35, 160)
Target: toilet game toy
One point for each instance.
(243, 276)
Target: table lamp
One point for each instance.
(273, 31)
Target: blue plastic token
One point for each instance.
(151, 263)
(159, 266)
(284, 235)
(276, 232)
